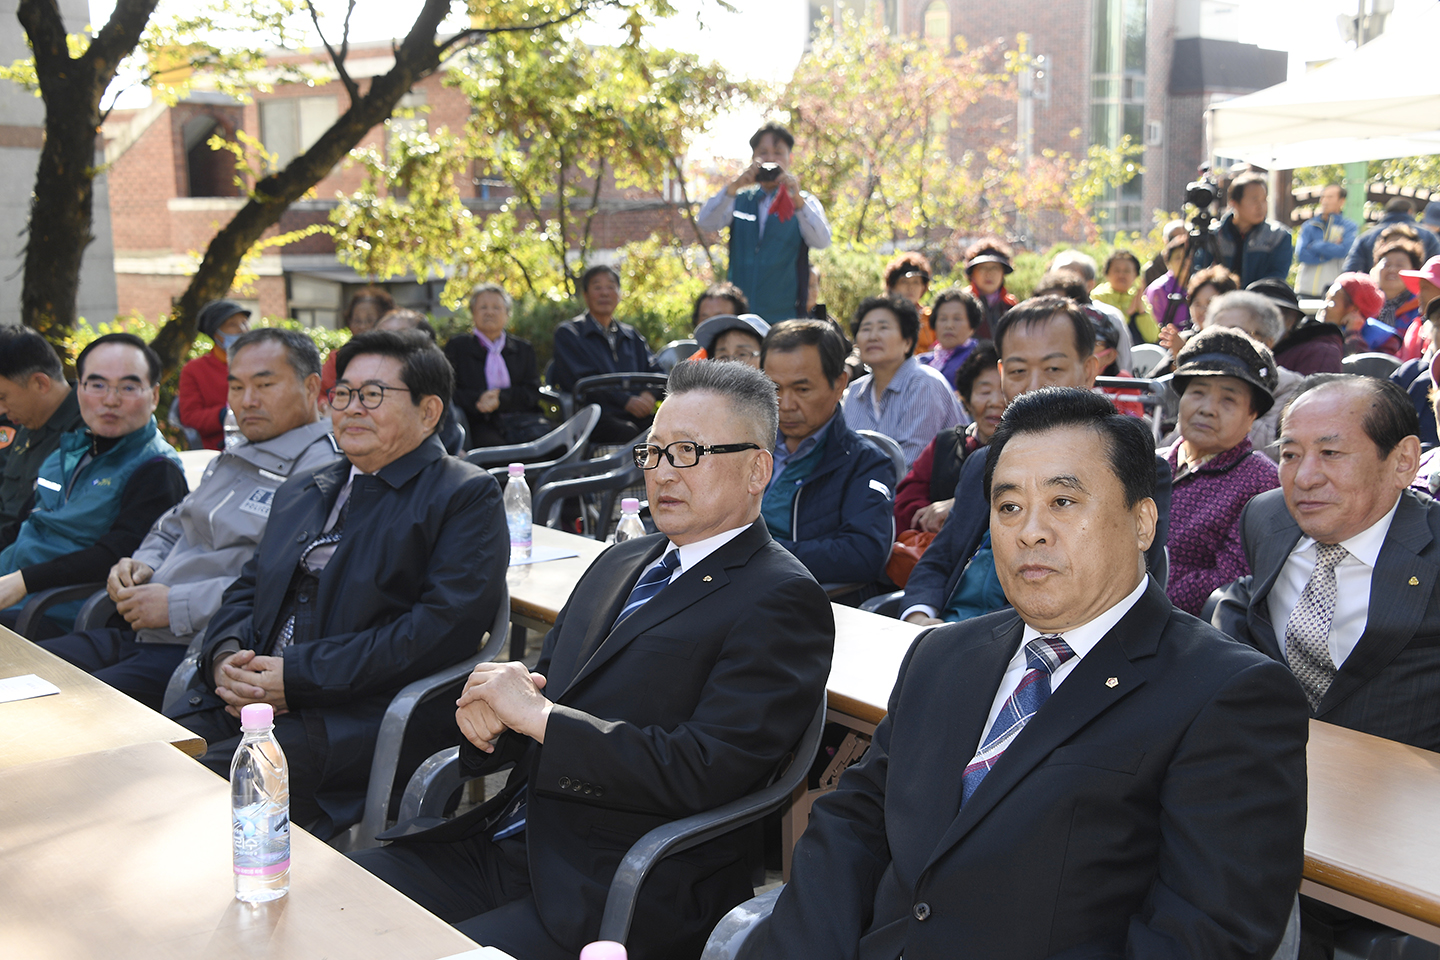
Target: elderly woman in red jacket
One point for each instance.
(204, 392)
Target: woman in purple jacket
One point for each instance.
(1225, 380)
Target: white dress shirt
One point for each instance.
(1352, 582)
(693, 553)
(1081, 639)
(718, 211)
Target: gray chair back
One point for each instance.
(892, 449)
(1378, 365)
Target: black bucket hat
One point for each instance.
(1227, 352)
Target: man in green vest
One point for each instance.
(99, 492)
(36, 398)
(773, 227)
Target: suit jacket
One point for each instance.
(687, 704)
(467, 355)
(1154, 807)
(1388, 684)
(935, 577)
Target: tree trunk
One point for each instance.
(417, 57)
(61, 206)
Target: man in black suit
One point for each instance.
(1093, 774)
(683, 667)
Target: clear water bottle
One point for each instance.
(603, 950)
(517, 512)
(630, 525)
(232, 430)
(260, 808)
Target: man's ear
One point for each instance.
(432, 411)
(1147, 515)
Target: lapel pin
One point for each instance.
(707, 579)
(1414, 581)
(1112, 682)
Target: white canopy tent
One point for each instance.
(1381, 101)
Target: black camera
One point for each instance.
(768, 173)
(1201, 193)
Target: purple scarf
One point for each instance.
(941, 356)
(497, 375)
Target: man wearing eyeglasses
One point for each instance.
(683, 668)
(96, 496)
(374, 571)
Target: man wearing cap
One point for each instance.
(1399, 210)
(729, 336)
(204, 384)
(773, 227)
(1307, 346)
(1352, 303)
(830, 495)
(1325, 239)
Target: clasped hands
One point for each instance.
(244, 677)
(143, 604)
(499, 697)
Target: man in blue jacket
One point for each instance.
(1247, 243)
(831, 495)
(1325, 240)
(1399, 210)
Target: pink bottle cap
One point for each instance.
(628, 505)
(256, 716)
(603, 950)
(518, 470)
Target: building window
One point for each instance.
(1117, 99)
(937, 23)
(209, 173)
(290, 126)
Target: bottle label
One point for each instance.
(520, 528)
(262, 839)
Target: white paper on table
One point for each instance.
(25, 687)
(539, 554)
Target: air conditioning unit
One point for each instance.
(1154, 133)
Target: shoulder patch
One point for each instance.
(258, 502)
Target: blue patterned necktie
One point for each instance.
(1043, 657)
(651, 582)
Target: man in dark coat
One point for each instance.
(682, 669)
(1093, 775)
(373, 572)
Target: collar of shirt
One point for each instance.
(782, 454)
(906, 372)
(693, 553)
(1364, 546)
(1082, 639)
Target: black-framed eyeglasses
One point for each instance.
(683, 453)
(371, 395)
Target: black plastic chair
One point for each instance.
(435, 782)
(629, 382)
(891, 448)
(37, 603)
(565, 444)
(605, 488)
(676, 351)
(1378, 365)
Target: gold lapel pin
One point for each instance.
(707, 579)
(1414, 581)
(1112, 682)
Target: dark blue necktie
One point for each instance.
(651, 582)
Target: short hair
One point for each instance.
(415, 318)
(1061, 283)
(981, 359)
(1262, 311)
(824, 336)
(905, 314)
(776, 130)
(1238, 186)
(1075, 260)
(1119, 255)
(750, 392)
(1391, 417)
(24, 353)
(723, 291)
(1399, 205)
(1221, 278)
(910, 260)
(1411, 248)
(1128, 445)
(491, 288)
(960, 295)
(424, 369)
(1399, 231)
(300, 351)
(374, 295)
(1038, 311)
(595, 271)
(1338, 186)
(152, 359)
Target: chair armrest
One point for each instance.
(882, 603)
(430, 786)
(95, 612)
(729, 939)
(184, 672)
(699, 828)
(553, 493)
(37, 603)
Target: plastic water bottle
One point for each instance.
(517, 512)
(630, 526)
(260, 808)
(232, 430)
(603, 950)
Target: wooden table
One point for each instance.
(1371, 845)
(125, 853)
(85, 715)
(539, 590)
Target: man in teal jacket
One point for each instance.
(773, 227)
(98, 494)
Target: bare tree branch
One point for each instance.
(337, 57)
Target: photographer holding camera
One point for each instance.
(773, 227)
(1246, 242)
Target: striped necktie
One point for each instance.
(651, 582)
(1043, 656)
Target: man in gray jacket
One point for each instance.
(170, 588)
